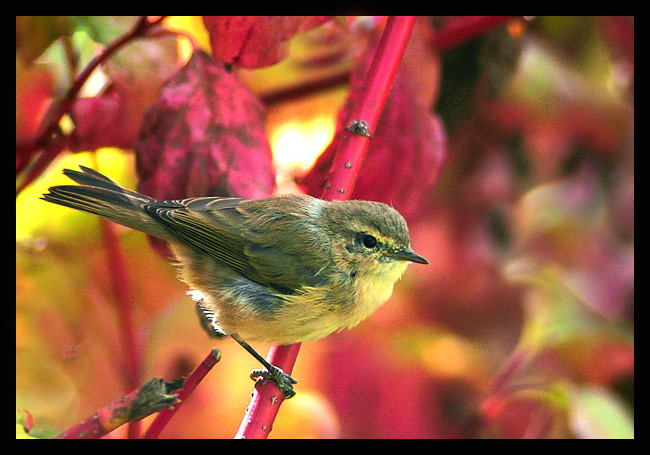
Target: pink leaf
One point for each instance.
(255, 41)
(205, 136)
(103, 121)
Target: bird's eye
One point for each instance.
(367, 240)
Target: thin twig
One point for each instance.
(122, 295)
(190, 384)
(50, 123)
(141, 28)
(465, 29)
(151, 397)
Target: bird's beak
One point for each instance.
(407, 255)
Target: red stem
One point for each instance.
(120, 284)
(379, 80)
(190, 384)
(51, 120)
(140, 28)
(150, 397)
(121, 287)
(466, 29)
(266, 400)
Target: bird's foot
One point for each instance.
(282, 380)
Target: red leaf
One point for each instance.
(137, 74)
(408, 149)
(205, 136)
(103, 121)
(35, 90)
(255, 41)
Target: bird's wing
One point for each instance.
(210, 225)
(221, 229)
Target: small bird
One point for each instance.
(284, 269)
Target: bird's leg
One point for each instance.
(282, 380)
(209, 320)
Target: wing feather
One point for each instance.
(231, 232)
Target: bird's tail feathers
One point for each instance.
(101, 196)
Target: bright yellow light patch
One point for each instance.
(35, 217)
(296, 145)
(193, 26)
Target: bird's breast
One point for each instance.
(372, 290)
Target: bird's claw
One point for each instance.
(282, 380)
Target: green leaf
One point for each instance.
(596, 413)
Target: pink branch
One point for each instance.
(190, 384)
(49, 128)
(379, 80)
(266, 400)
(151, 397)
(121, 287)
(120, 284)
(469, 27)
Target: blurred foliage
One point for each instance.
(521, 326)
